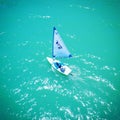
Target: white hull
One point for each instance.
(63, 69)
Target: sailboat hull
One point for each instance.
(60, 67)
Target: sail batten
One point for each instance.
(59, 48)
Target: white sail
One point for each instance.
(59, 48)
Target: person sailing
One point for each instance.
(60, 66)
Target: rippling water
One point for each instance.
(31, 89)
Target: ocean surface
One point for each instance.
(30, 89)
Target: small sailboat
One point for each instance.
(59, 50)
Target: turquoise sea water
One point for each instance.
(30, 89)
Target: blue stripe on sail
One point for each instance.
(59, 48)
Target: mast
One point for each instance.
(53, 43)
